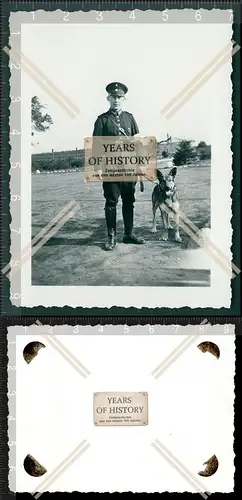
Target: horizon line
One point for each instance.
(82, 149)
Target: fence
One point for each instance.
(60, 155)
(69, 160)
(58, 161)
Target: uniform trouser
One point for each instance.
(112, 191)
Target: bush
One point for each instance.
(77, 163)
(57, 164)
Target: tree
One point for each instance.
(184, 154)
(205, 154)
(164, 154)
(202, 155)
(203, 151)
(40, 122)
(202, 144)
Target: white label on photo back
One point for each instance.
(120, 408)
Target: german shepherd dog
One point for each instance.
(165, 194)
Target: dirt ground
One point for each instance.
(75, 254)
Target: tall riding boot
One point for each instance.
(110, 214)
(128, 218)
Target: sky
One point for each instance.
(155, 61)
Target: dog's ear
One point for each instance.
(160, 176)
(173, 172)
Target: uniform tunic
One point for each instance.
(110, 123)
(113, 124)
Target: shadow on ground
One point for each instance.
(76, 256)
(71, 260)
(98, 234)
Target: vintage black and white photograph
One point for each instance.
(151, 377)
(161, 241)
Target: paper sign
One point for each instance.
(120, 408)
(119, 158)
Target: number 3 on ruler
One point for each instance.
(99, 16)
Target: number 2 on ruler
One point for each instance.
(65, 18)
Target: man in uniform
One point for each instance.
(116, 122)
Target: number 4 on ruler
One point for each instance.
(15, 132)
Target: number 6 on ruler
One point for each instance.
(198, 16)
